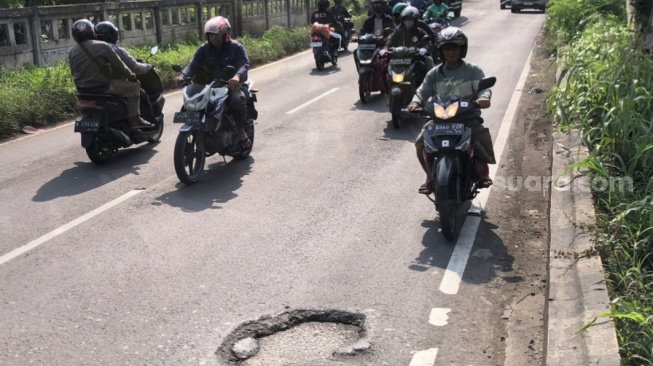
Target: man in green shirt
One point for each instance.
(455, 77)
(436, 10)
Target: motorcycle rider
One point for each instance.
(396, 15)
(375, 24)
(108, 32)
(209, 62)
(323, 16)
(408, 34)
(341, 13)
(460, 78)
(97, 69)
(437, 10)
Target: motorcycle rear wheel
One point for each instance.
(157, 136)
(98, 153)
(319, 63)
(189, 157)
(365, 87)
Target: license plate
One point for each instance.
(449, 129)
(87, 126)
(186, 117)
(401, 61)
(316, 44)
(366, 46)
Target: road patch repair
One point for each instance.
(302, 337)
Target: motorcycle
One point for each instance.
(104, 126)
(455, 170)
(403, 79)
(437, 25)
(208, 125)
(323, 51)
(372, 69)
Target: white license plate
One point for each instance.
(401, 61)
(316, 44)
(366, 46)
(186, 117)
(449, 129)
(87, 126)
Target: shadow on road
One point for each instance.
(216, 187)
(87, 176)
(489, 256)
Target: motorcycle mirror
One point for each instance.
(487, 83)
(450, 15)
(154, 50)
(229, 72)
(176, 68)
(387, 32)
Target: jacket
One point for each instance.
(86, 72)
(209, 62)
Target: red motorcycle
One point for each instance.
(372, 70)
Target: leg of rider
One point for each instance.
(146, 107)
(239, 111)
(478, 136)
(337, 36)
(130, 91)
(419, 149)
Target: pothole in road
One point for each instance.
(297, 337)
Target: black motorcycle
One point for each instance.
(405, 63)
(348, 27)
(104, 125)
(372, 72)
(209, 127)
(455, 175)
(323, 51)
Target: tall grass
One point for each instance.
(606, 91)
(33, 96)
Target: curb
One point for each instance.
(577, 291)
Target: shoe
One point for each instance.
(484, 183)
(140, 123)
(425, 189)
(245, 144)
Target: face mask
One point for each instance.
(409, 23)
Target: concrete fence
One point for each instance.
(41, 35)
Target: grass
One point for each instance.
(606, 91)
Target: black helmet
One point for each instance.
(323, 4)
(452, 35)
(83, 30)
(106, 31)
(379, 6)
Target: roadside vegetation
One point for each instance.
(39, 97)
(606, 91)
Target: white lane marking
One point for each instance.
(439, 317)
(452, 276)
(481, 13)
(35, 243)
(313, 100)
(424, 358)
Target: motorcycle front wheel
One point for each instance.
(189, 157)
(98, 153)
(395, 109)
(365, 87)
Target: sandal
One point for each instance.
(425, 188)
(245, 143)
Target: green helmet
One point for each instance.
(398, 8)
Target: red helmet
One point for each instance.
(218, 25)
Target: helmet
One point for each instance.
(398, 8)
(106, 31)
(322, 4)
(218, 25)
(409, 17)
(379, 6)
(452, 35)
(83, 30)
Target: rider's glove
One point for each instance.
(422, 51)
(382, 52)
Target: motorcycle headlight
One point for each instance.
(365, 62)
(443, 113)
(397, 77)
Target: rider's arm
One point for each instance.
(139, 68)
(242, 61)
(427, 13)
(198, 58)
(119, 67)
(426, 89)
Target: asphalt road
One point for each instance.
(129, 266)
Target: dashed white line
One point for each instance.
(313, 100)
(439, 317)
(424, 358)
(35, 243)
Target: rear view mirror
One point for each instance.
(154, 50)
(487, 83)
(176, 68)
